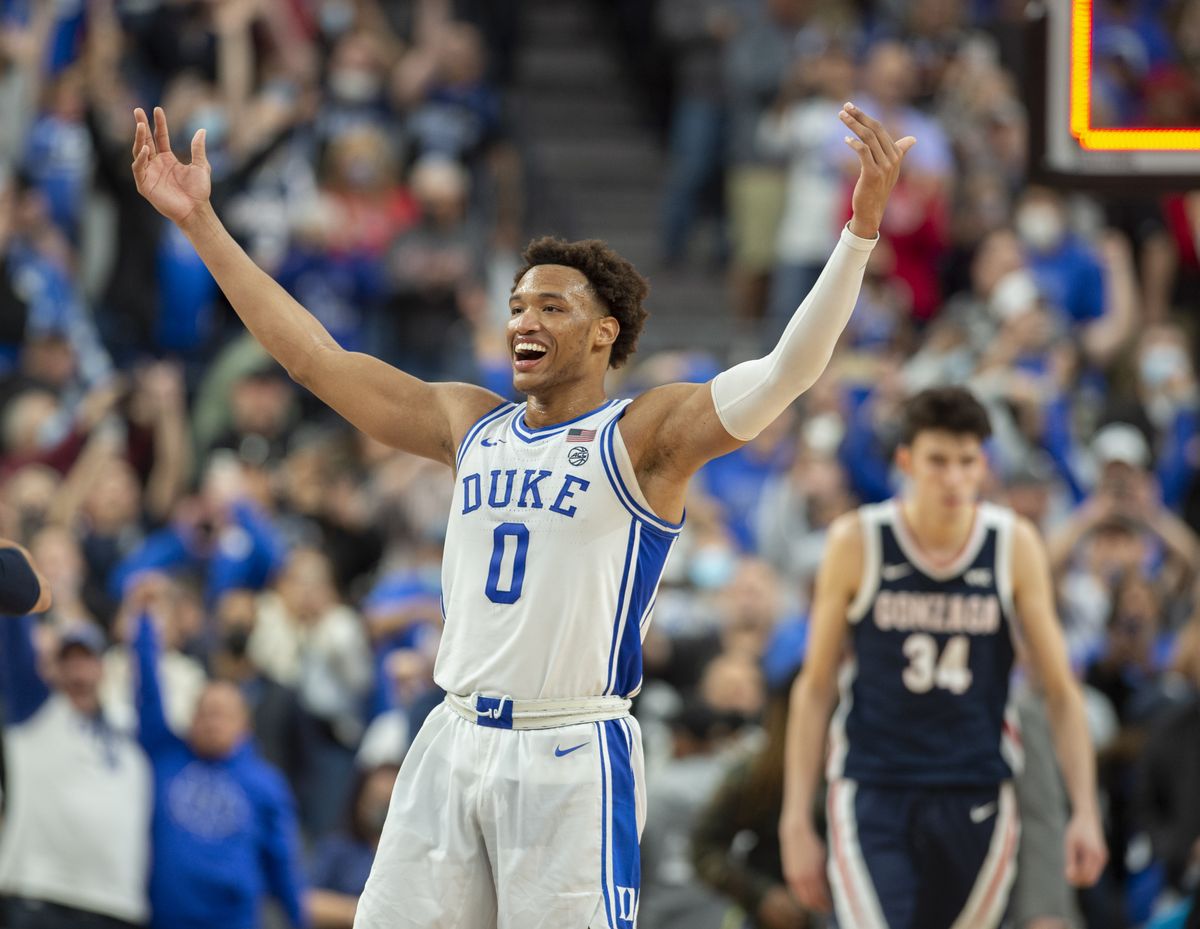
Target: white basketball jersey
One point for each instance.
(552, 560)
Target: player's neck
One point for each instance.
(939, 534)
(562, 404)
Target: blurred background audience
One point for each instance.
(267, 580)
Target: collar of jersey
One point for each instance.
(528, 434)
(939, 571)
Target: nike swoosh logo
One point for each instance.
(559, 751)
(980, 813)
(488, 443)
(894, 572)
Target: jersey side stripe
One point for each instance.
(1004, 542)
(623, 597)
(653, 549)
(838, 742)
(489, 417)
(609, 459)
(869, 582)
(624, 864)
(847, 866)
(605, 806)
(650, 606)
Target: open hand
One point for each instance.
(803, 855)
(879, 161)
(1086, 851)
(779, 910)
(174, 189)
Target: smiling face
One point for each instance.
(558, 331)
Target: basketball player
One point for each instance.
(519, 803)
(923, 601)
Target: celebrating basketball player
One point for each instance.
(932, 593)
(519, 804)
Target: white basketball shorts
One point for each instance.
(493, 828)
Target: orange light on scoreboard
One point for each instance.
(1139, 139)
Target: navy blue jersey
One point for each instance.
(924, 692)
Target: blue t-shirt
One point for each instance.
(1071, 279)
(341, 864)
(58, 158)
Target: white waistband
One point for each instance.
(506, 713)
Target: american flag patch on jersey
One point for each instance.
(580, 435)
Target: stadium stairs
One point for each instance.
(597, 168)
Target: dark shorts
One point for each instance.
(923, 857)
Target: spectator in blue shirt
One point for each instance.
(1068, 272)
(220, 535)
(1092, 288)
(342, 860)
(224, 828)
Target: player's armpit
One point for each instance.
(675, 429)
(393, 407)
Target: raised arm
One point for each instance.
(695, 423)
(153, 732)
(814, 696)
(382, 401)
(1033, 595)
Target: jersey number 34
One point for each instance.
(926, 670)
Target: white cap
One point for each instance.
(1121, 442)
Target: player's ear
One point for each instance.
(904, 459)
(607, 330)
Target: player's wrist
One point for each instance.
(797, 819)
(201, 218)
(864, 227)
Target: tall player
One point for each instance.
(923, 602)
(519, 802)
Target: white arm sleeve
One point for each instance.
(750, 395)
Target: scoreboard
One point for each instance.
(1068, 148)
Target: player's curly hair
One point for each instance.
(615, 281)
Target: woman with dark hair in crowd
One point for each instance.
(342, 860)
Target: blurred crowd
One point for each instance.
(246, 591)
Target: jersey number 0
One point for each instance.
(505, 567)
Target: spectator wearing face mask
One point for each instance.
(306, 639)
(224, 829)
(272, 706)
(1168, 398)
(1091, 287)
